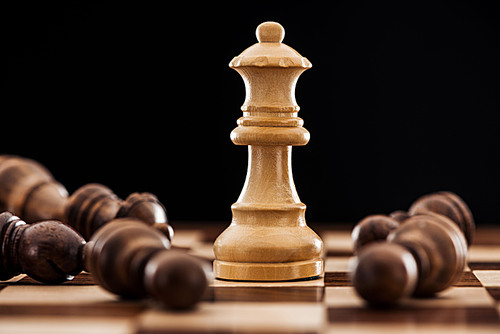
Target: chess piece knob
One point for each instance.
(47, 251)
(270, 32)
(373, 228)
(384, 273)
(175, 279)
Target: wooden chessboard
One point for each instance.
(325, 305)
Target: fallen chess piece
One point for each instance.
(132, 260)
(47, 251)
(377, 227)
(419, 253)
(126, 257)
(29, 190)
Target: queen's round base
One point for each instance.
(249, 271)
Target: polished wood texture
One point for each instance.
(47, 251)
(132, 260)
(372, 228)
(126, 257)
(471, 305)
(268, 238)
(29, 190)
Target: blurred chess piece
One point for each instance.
(268, 238)
(126, 257)
(419, 253)
(132, 260)
(445, 203)
(29, 190)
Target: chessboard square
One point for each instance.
(412, 327)
(454, 297)
(342, 297)
(337, 243)
(468, 279)
(54, 294)
(482, 253)
(70, 300)
(337, 279)
(64, 325)
(203, 250)
(484, 265)
(228, 317)
(489, 278)
(268, 294)
(452, 305)
(186, 238)
(408, 315)
(337, 263)
(495, 293)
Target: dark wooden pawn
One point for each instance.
(94, 205)
(383, 273)
(132, 260)
(448, 204)
(438, 248)
(29, 190)
(47, 251)
(373, 228)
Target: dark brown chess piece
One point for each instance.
(436, 232)
(437, 249)
(450, 205)
(445, 203)
(383, 273)
(125, 257)
(372, 228)
(130, 259)
(29, 190)
(47, 251)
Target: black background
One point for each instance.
(402, 99)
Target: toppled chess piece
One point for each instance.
(47, 251)
(422, 252)
(377, 227)
(449, 205)
(29, 190)
(132, 260)
(126, 257)
(372, 228)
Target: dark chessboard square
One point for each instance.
(484, 265)
(83, 278)
(494, 292)
(456, 315)
(468, 279)
(337, 279)
(268, 294)
(110, 309)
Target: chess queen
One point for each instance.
(268, 239)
